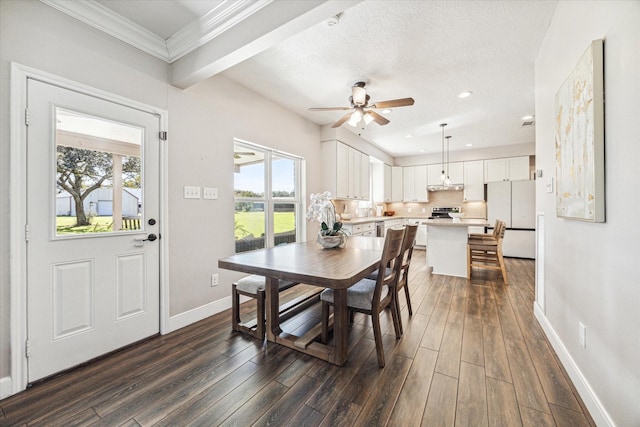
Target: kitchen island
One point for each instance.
(447, 245)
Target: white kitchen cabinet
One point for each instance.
(365, 176)
(387, 195)
(392, 223)
(456, 173)
(345, 176)
(396, 183)
(421, 235)
(415, 184)
(473, 181)
(362, 229)
(507, 169)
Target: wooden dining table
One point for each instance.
(309, 263)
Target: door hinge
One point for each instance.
(27, 348)
(26, 232)
(26, 117)
(163, 136)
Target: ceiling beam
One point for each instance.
(270, 25)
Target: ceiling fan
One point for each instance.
(239, 154)
(361, 110)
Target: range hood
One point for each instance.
(452, 187)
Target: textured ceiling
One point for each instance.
(428, 50)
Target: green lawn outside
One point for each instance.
(99, 224)
(253, 223)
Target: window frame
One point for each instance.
(268, 199)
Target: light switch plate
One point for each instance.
(191, 192)
(210, 193)
(549, 185)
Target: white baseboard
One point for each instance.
(188, 317)
(598, 412)
(5, 387)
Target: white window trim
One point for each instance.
(268, 199)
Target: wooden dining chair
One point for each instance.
(486, 253)
(253, 287)
(408, 243)
(373, 296)
(490, 236)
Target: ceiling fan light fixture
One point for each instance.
(359, 94)
(368, 118)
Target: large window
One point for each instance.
(267, 197)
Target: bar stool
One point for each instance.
(253, 287)
(487, 253)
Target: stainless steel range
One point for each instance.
(443, 212)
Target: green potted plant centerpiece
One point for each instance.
(321, 209)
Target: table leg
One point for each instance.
(340, 325)
(272, 308)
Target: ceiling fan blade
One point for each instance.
(342, 120)
(381, 120)
(330, 109)
(403, 102)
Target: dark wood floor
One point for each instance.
(471, 355)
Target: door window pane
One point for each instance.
(98, 174)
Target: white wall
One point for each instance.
(37, 36)
(203, 121)
(592, 269)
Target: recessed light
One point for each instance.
(465, 94)
(469, 145)
(423, 150)
(408, 136)
(386, 111)
(529, 117)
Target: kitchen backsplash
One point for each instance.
(436, 199)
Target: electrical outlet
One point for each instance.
(424, 210)
(214, 280)
(191, 192)
(210, 193)
(582, 334)
(409, 210)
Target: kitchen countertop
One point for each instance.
(421, 218)
(465, 222)
(371, 219)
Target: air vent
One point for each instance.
(528, 123)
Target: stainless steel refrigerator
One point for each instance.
(515, 203)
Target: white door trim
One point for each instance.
(18, 213)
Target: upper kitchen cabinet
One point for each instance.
(507, 169)
(387, 184)
(396, 183)
(365, 176)
(346, 171)
(473, 181)
(456, 173)
(414, 184)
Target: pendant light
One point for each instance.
(447, 180)
(443, 176)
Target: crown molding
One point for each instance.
(215, 22)
(227, 14)
(93, 13)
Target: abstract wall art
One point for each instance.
(579, 140)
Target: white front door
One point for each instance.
(92, 280)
